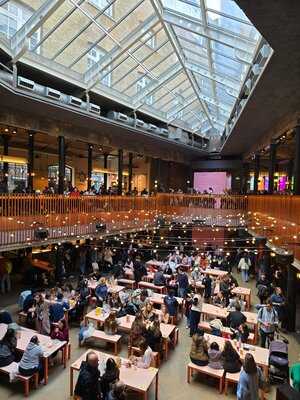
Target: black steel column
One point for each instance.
(272, 165)
(61, 164)
(105, 163)
(90, 166)
(30, 164)
(130, 158)
(297, 161)
(120, 172)
(256, 172)
(5, 139)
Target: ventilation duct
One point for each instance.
(26, 83)
(53, 94)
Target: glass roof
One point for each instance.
(181, 61)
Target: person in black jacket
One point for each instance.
(236, 318)
(159, 279)
(139, 270)
(8, 346)
(230, 359)
(88, 383)
(110, 376)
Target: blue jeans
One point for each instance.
(181, 292)
(245, 275)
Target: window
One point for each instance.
(53, 174)
(178, 104)
(94, 56)
(141, 85)
(101, 4)
(12, 17)
(17, 176)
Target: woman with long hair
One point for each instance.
(230, 359)
(251, 380)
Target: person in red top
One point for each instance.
(61, 331)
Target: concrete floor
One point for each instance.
(172, 374)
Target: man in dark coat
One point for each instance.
(88, 383)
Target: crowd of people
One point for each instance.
(49, 310)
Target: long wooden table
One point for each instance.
(222, 313)
(48, 345)
(92, 284)
(260, 354)
(245, 293)
(125, 324)
(98, 318)
(137, 379)
(214, 272)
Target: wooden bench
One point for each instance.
(127, 283)
(206, 370)
(102, 336)
(25, 379)
(149, 285)
(207, 328)
(231, 378)
(135, 351)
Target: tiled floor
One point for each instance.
(172, 374)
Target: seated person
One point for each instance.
(215, 356)
(242, 333)
(31, 360)
(216, 327)
(230, 359)
(219, 300)
(164, 316)
(8, 345)
(196, 274)
(61, 331)
(113, 301)
(101, 291)
(171, 303)
(57, 309)
(199, 349)
(234, 301)
(145, 360)
(148, 313)
(111, 324)
(154, 336)
(110, 376)
(159, 279)
(138, 330)
(118, 392)
(5, 317)
(232, 281)
(236, 318)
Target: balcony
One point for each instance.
(72, 218)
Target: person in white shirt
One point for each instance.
(244, 265)
(146, 359)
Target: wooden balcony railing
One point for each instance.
(277, 217)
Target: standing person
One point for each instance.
(250, 381)
(31, 360)
(5, 271)
(236, 318)
(244, 265)
(195, 313)
(268, 320)
(88, 384)
(171, 304)
(183, 283)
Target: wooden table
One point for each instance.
(150, 276)
(92, 284)
(48, 345)
(260, 354)
(151, 286)
(214, 272)
(155, 264)
(222, 313)
(158, 298)
(125, 324)
(245, 293)
(100, 319)
(102, 336)
(137, 379)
